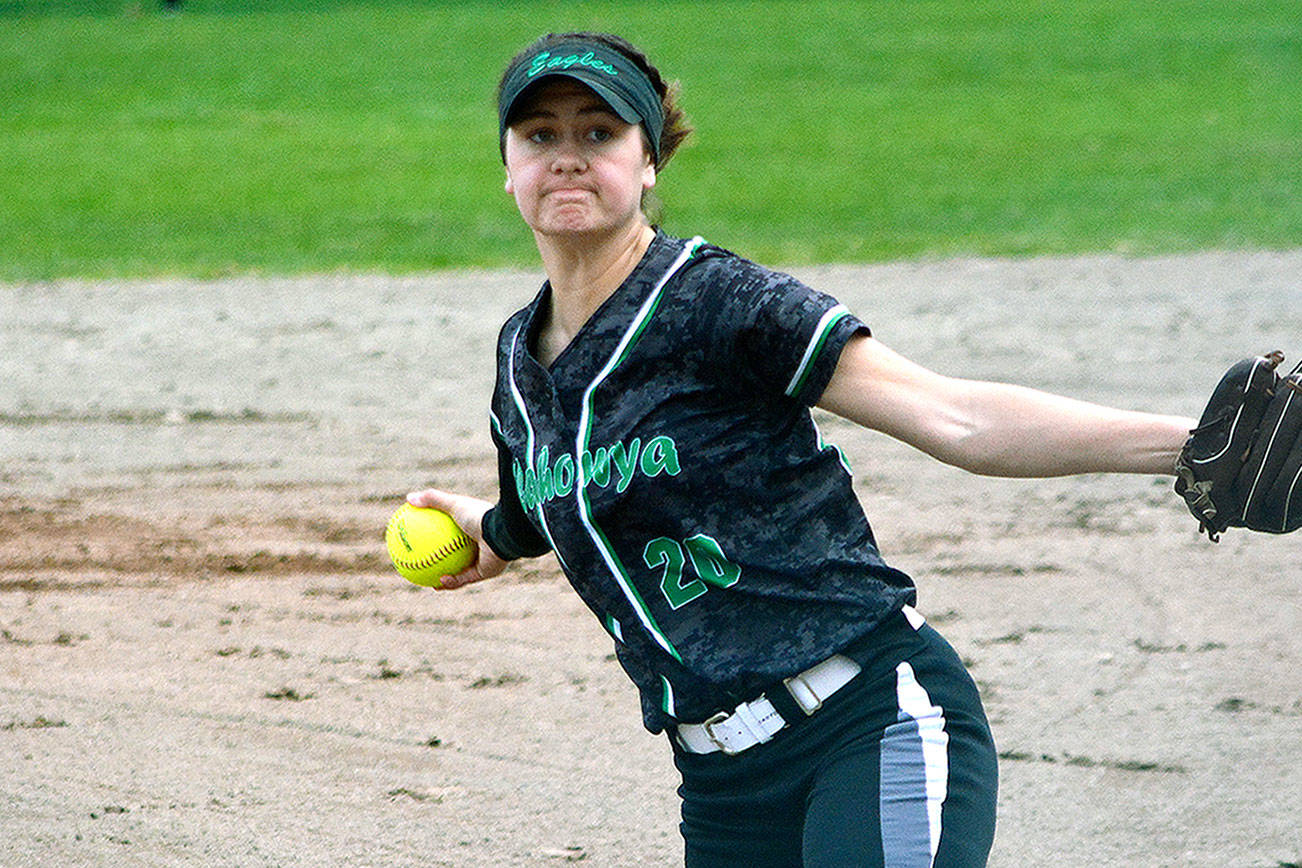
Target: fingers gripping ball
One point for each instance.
(426, 544)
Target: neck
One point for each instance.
(584, 272)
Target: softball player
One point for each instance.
(651, 417)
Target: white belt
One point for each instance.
(757, 721)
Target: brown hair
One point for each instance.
(676, 127)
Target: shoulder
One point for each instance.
(513, 330)
(727, 288)
(764, 324)
(518, 322)
(745, 295)
(715, 265)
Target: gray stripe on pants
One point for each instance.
(906, 834)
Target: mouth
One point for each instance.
(570, 193)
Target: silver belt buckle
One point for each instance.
(708, 727)
(799, 678)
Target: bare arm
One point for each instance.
(996, 429)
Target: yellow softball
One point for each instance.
(426, 544)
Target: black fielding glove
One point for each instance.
(1242, 465)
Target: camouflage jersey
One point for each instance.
(669, 459)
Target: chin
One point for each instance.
(572, 228)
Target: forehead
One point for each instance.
(558, 92)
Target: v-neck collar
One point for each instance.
(618, 307)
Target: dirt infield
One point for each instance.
(205, 659)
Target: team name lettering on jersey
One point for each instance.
(618, 463)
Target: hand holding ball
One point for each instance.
(426, 544)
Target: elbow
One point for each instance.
(995, 464)
(973, 457)
(957, 440)
(980, 450)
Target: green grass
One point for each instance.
(312, 136)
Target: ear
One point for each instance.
(649, 174)
(510, 187)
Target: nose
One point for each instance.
(569, 157)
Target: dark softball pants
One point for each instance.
(896, 770)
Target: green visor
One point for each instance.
(608, 73)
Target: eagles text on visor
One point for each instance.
(609, 74)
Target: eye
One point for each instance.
(600, 135)
(541, 136)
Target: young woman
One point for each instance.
(652, 422)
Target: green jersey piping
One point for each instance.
(667, 704)
(607, 551)
(528, 427)
(821, 333)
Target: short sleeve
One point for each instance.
(776, 335)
